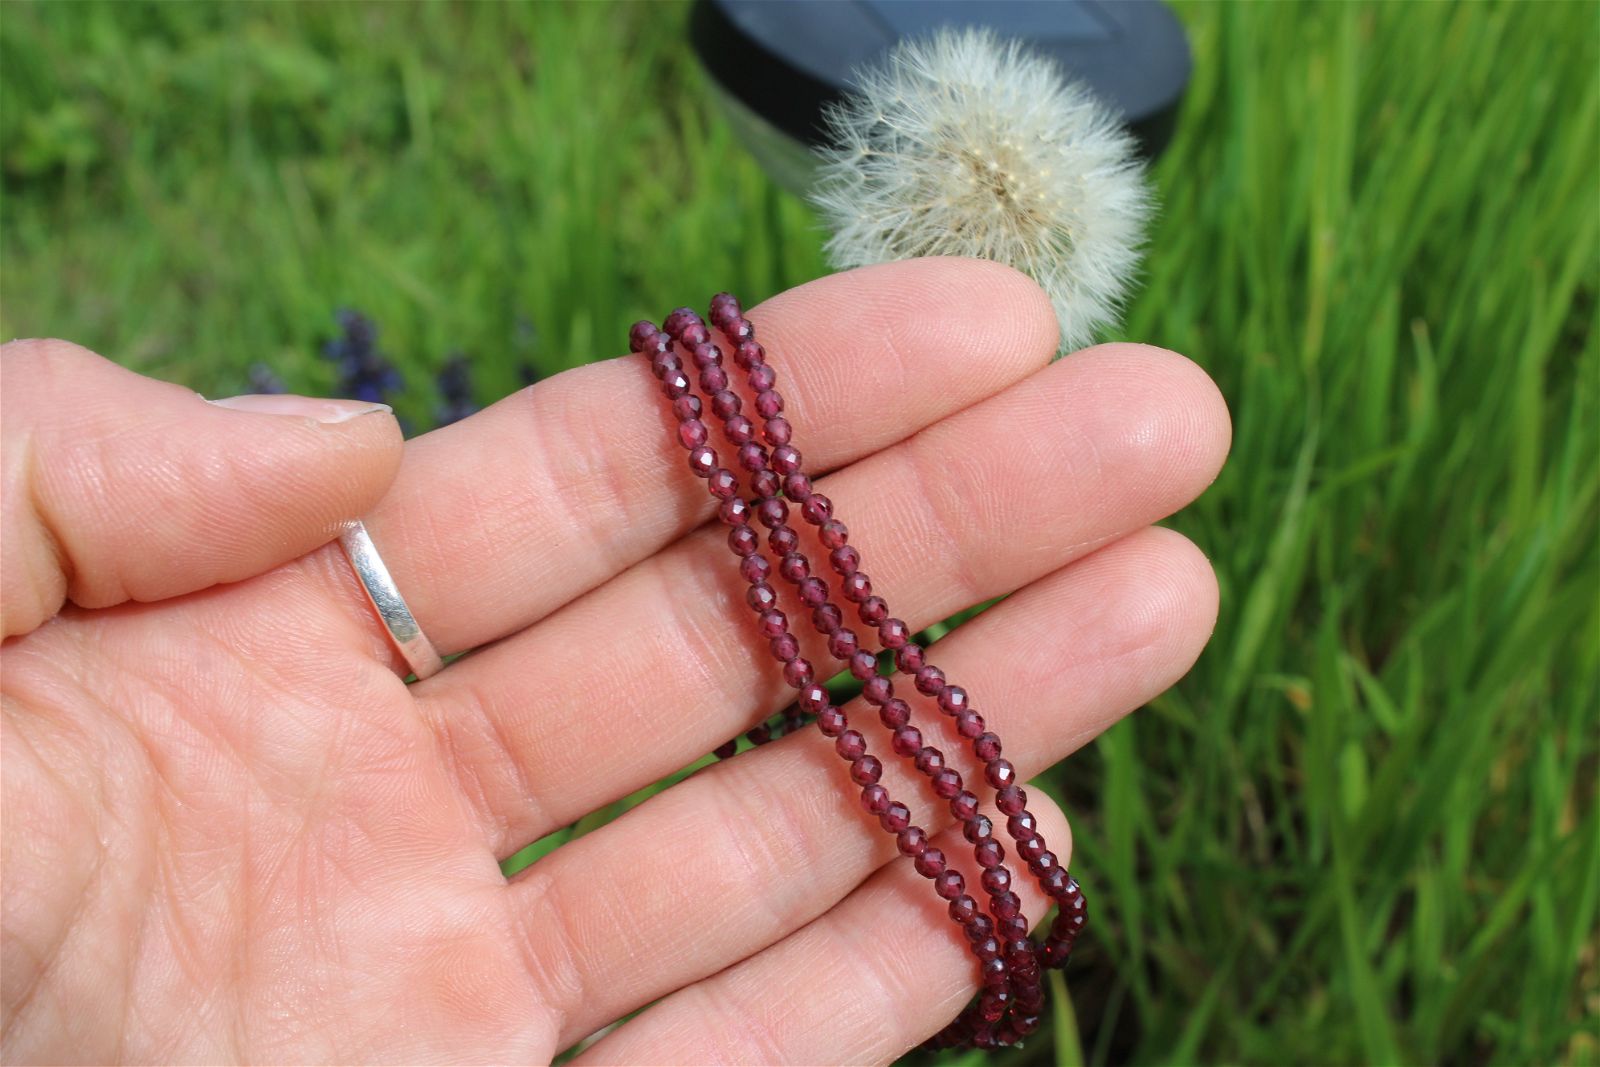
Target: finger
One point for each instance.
(751, 849)
(497, 520)
(119, 487)
(1091, 447)
(866, 982)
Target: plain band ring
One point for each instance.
(385, 597)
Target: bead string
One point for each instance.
(1010, 1003)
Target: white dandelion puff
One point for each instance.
(963, 144)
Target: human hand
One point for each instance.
(232, 831)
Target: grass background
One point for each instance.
(1364, 829)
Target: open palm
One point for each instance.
(233, 832)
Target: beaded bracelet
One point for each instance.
(1009, 1006)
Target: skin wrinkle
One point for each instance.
(553, 964)
(953, 560)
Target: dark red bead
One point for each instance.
(987, 852)
(964, 805)
(702, 461)
(813, 591)
(762, 378)
(1000, 774)
(1011, 800)
(761, 596)
(1014, 927)
(723, 483)
(875, 799)
(996, 879)
(845, 560)
(783, 540)
(979, 829)
(773, 622)
(873, 610)
(909, 659)
(772, 512)
(863, 664)
(785, 459)
(797, 487)
(992, 1005)
(950, 885)
(1053, 882)
(749, 355)
(817, 509)
(930, 863)
(987, 949)
(980, 928)
(695, 333)
(969, 724)
(1022, 824)
(1005, 905)
(986, 746)
(760, 735)
(687, 408)
(895, 713)
(877, 690)
(814, 698)
(1039, 858)
(929, 680)
(794, 567)
(1056, 952)
(640, 334)
(912, 841)
(907, 741)
(705, 354)
(769, 403)
(665, 362)
(713, 379)
(676, 384)
(831, 721)
(725, 404)
(953, 698)
(678, 319)
(785, 647)
(893, 633)
(827, 619)
(897, 818)
(798, 672)
(856, 587)
(833, 532)
(963, 909)
(930, 761)
(851, 745)
(735, 511)
(726, 749)
(778, 431)
(842, 644)
(946, 784)
(752, 457)
(744, 540)
(755, 569)
(866, 769)
(739, 429)
(742, 330)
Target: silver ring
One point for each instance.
(385, 597)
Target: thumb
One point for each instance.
(115, 487)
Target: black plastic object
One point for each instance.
(777, 62)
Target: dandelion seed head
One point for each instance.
(964, 144)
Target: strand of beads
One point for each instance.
(976, 1026)
(735, 512)
(1010, 972)
(795, 568)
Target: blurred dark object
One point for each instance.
(262, 380)
(455, 390)
(775, 63)
(365, 373)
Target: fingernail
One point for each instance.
(306, 407)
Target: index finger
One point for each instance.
(498, 520)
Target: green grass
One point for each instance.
(1364, 829)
